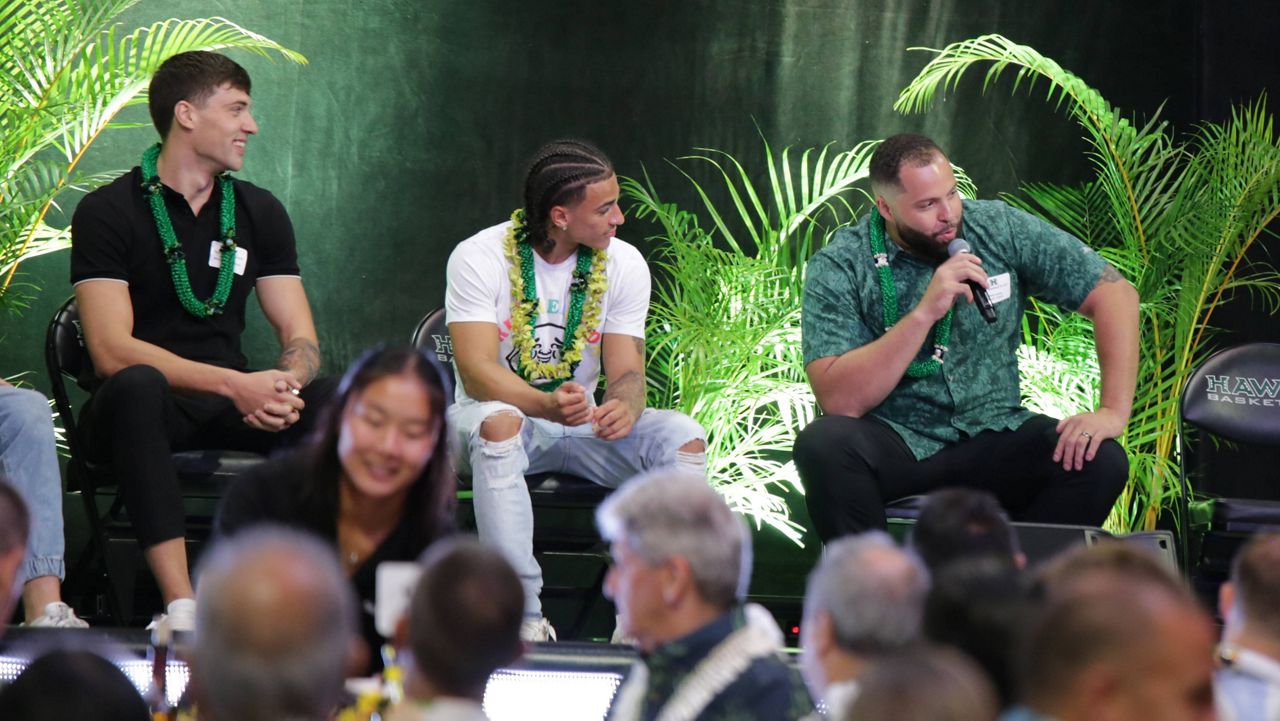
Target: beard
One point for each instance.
(925, 246)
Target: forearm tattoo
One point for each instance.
(629, 389)
(302, 358)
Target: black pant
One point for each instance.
(851, 467)
(135, 422)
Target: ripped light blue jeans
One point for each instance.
(504, 512)
(29, 461)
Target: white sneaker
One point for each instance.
(536, 630)
(58, 615)
(180, 616)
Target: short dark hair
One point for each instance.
(190, 76)
(559, 175)
(1255, 573)
(465, 616)
(15, 519)
(981, 607)
(958, 523)
(896, 150)
(72, 684)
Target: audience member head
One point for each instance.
(558, 176)
(1250, 600)
(979, 606)
(383, 438)
(275, 628)
(923, 684)
(863, 600)
(1118, 637)
(72, 684)
(192, 78)
(15, 526)
(960, 523)
(681, 557)
(464, 619)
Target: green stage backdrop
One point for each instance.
(409, 129)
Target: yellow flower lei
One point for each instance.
(524, 308)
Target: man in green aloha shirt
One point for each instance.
(919, 391)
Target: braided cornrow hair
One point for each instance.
(559, 175)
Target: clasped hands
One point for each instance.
(609, 421)
(268, 399)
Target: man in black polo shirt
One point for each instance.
(163, 260)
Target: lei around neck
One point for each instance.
(586, 293)
(889, 302)
(173, 253)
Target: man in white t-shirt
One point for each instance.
(536, 308)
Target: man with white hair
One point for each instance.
(275, 629)
(865, 598)
(681, 565)
(1248, 682)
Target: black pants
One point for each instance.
(135, 422)
(852, 467)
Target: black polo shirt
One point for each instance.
(114, 237)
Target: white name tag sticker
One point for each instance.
(394, 583)
(215, 257)
(998, 289)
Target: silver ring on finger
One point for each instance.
(1086, 434)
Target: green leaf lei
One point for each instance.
(889, 299)
(173, 252)
(585, 293)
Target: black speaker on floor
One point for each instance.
(1041, 541)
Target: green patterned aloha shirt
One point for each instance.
(977, 387)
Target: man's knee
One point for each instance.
(136, 382)
(820, 438)
(26, 408)
(501, 426)
(1111, 465)
(694, 446)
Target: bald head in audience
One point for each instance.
(15, 525)
(1118, 638)
(864, 599)
(275, 628)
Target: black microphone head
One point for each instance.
(959, 245)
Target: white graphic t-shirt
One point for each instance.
(479, 289)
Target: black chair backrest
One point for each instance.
(1235, 394)
(65, 351)
(432, 335)
(66, 356)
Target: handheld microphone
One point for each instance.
(980, 297)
